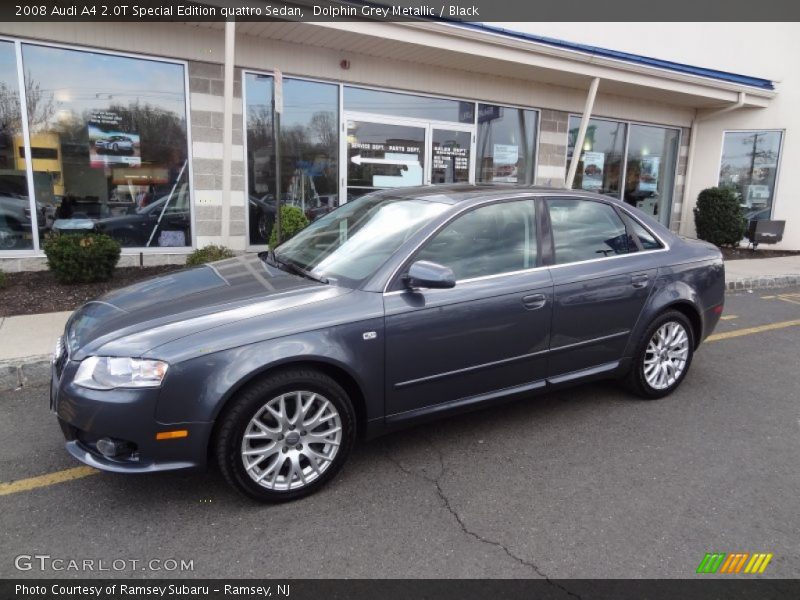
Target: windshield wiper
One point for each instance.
(294, 268)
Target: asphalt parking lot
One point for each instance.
(587, 482)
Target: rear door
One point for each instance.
(601, 282)
(489, 332)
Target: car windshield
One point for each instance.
(349, 244)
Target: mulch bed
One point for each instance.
(38, 292)
(743, 252)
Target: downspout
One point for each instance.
(578, 148)
(227, 129)
(690, 158)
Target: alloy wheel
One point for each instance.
(291, 440)
(666, 355)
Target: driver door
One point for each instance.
(489, 333)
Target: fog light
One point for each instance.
(109, 447)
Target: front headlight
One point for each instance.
(108, 372)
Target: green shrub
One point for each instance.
(82, 258)
(718, 217)
(292, 221)
(208, 254)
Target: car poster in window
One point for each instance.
(504, 159)
(110, 141)
(648, 173)
(593, 163)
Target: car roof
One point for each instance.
(464, 192)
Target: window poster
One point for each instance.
(505, 157)
(110, 142)
(648, 173)
(593, 164)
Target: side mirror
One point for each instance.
(426, 274)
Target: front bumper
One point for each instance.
(125, 414)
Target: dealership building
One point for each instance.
(162, 134)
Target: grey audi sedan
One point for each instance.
(400, 306)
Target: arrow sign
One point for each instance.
(358, 159)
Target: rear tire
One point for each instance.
(285, 436)
(662, 356)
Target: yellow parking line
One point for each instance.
(24, 485)
(793, 298)
(750, 330)
(728, 317)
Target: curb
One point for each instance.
(22, 372)
(753, 283)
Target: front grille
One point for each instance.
(62, 359)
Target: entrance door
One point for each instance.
(384, 152)
(451, 155)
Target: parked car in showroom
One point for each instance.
(397, 307)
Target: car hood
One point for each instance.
(132, 320)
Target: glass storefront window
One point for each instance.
(16, 228)
(601, 158)
(408, 105)
(450, 154)
(383, 155)
(506, 144)
(650, 171)
(750, 166)
(109, 145)
(309, 150)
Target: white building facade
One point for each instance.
(161, 134)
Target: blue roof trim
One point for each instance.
(757, 82)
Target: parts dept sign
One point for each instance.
(396, 164)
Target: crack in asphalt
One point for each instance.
(449, 507)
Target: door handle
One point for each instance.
(640, 281)
(534, 301)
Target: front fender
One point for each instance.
(198, 389)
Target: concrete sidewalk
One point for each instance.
(762, 272)
(26, 342)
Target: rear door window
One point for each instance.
(586, 230)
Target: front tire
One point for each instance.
(662, 357)
(285, 436)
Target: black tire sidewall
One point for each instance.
(636, 377)
(236, 417)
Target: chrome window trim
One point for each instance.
(537, 194)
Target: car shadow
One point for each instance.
(533, 413)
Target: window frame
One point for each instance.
(779, 162)
(537, 135)
(250, 247)
(37, 251)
